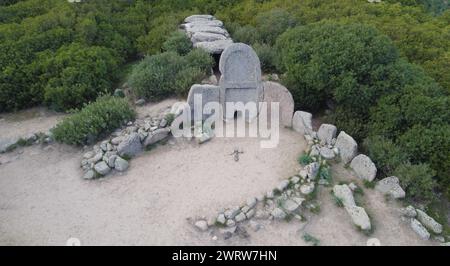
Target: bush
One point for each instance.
(271, 24)
(177, 42)
(77, 74)
(417, 180)
(384, 153)
(200, 59)
(266, 56)
(167, 74)
(246, 34)
(348, 64)
(94, 121)
(185, 78)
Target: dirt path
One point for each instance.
(44, 201)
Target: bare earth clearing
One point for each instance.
(44, 200)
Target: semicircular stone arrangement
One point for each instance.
(241, 82)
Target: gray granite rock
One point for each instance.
(302, 122)
(326, 133)
(364, 167)
(130, 146)
(390, 186)
(346, 146)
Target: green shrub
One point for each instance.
(246, 34)
(177, 42)
(271, 24)
(154, 77)
(94, 121)
(266, 56)
(200, 59)
(347, 64)
(384, 153)
(77, 74)
(167, 74)
(305, 159)
(185, 78)
(417, 180)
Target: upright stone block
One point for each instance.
(241, 78)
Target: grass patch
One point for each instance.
(369, 184)
(305, 159)
(310, 239)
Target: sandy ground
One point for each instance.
(47, 202)
(24, 122)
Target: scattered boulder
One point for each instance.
(89, 175)
(302, 122)
(307, 189)
(359, 217)
(312, 170)
(278, 213)
(391, 186)
(157, 135)
(429, 222)
(290, 205)
(202, 225)
(251, 202)
(240, 217)
(327, 153)
(326, 133)
(344, 193)
(346, 146)
(130, 146)
(102, 168)
(409, 211)
(282, 185)
(364, 167)
(120, 164)
(419, 229)
(221, 219)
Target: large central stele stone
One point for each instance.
(241, 77)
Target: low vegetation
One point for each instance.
(94, 121)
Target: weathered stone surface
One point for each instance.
(198, 17)
(307, 189)
(251, 202)
(429, 222)
(89, 174)
(231, 213)
(215, 47)
(241, 78)
(207, 37)
(121, 164)
(347, 146)
(112, 161)
(344, 193)
(89, 155)
(202, 22)
(278, 213)
(240, 217)
(312, 170)
(221, 218)
(364, 167)
(419, 229)
(409, 211)
(102, 168)
(290, 205)
(282, 185)
(327, 153)
(326, 133)
(391, 186)
(131, 145)
(250, 213)
(156, 136)
(302, 122)
(207, 93)
(202, 225)
(359, 217)
(194, 28)
(277, 93)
